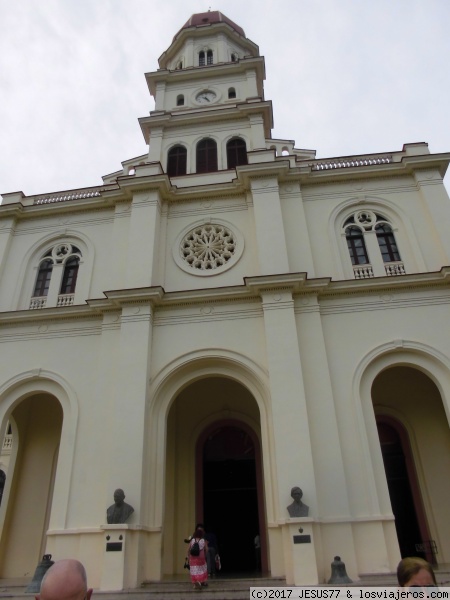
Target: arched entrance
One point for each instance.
(404, 491)
(229, 492)
(415, 442)
(213, 416)
(28, 492)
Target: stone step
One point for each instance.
(218, 589)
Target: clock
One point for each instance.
(206, 97)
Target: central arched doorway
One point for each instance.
(229, 492)
(214, 429)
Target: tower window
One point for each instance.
(231, 93)
(176, 161)
(206, 156)
(233, 57)
(201, 59)
(209, 57)
(180, 100)
(236, 153)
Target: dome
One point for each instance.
(210, 18)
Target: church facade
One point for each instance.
(225, 318)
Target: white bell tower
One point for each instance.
(209, 85)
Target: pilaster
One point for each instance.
(7, 226)
(270, 236)
(128, 405)
(294, 463)
(435, 198)
(156, 137)
(143, 239)
(328, 460)
(258, 139)
(160, 95)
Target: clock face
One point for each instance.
(206, 97)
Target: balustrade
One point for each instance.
(363, 271)
(38, 302)
(395, 268)
(65, 299)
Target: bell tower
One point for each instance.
(209, 85)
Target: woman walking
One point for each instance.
(198, 547)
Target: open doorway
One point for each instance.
(410, 523)
(229, 490)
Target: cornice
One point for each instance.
(252, 289)
(207, 71)
(198, 115)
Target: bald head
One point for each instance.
(65, 580)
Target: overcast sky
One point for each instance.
(345, 77)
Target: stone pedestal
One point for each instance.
(114, 554)
(299, 552)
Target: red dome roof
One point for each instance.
(209, 18)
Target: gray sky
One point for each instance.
(345, 77)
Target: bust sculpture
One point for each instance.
(120, 510)
(297, 508)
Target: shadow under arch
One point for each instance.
(25, 385)
(397, 357)
(244, 444)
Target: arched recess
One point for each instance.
(38, 423)
(27, 270)
(17, 390)
(168, 392)
(410, 382)
(404, 232)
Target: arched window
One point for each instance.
(62, 280)
(234, 57)
(356, 246)
(386, 242)
(201, 59)
(231, 93)
(176, 161)
(209, 57)
(180, 100)
(206, 156)
(371, 242)
(43, 278)
(70, 274)
(236, 153)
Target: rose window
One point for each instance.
(208, 247)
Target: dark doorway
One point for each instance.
(230, 497)
(403, 491)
